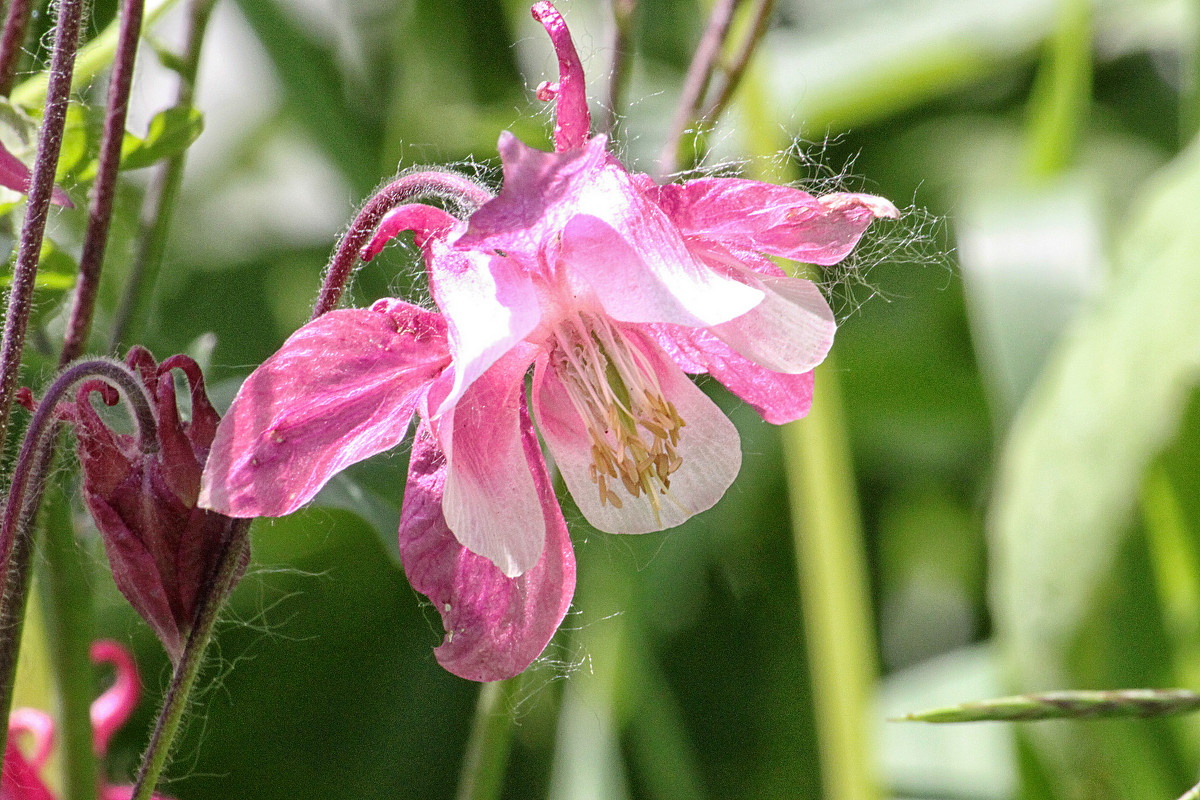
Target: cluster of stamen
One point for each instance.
(634, 430)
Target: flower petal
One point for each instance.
(772, 219)
(490, 305)
(790, 331)
(111, 709)
(342, 388)
(495, 625)
(426, 223)
(571, 112)
(491, 499)
(708, 446)
(776, 396)
(16, 176)
(21, 779)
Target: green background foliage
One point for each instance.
(1016, 364)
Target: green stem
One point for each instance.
(68, 610)
(183, 680)
(484, 765)
(163, 194)
(1062, 91)
(833, 591)
(830, 554)
(1189, 93)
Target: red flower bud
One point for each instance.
(163, 549)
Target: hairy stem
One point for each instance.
(100, 211)
(20, 298)
(28, 484)
(466, 194)
(618, 72)
(184, 678)
(695, 85)
(12, 42)
(159, 208)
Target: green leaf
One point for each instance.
(1109, 400)
(170, 132)
(56, 269)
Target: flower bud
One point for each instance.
(163, 549)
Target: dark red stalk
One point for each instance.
(104, 190)
(466, 194)
(12, 41)
(20, 298)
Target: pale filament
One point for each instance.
(634, 430)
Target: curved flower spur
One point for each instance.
(611, 288)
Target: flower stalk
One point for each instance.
(166, 728)
(104, 190)
(20, 299)
(464, 193)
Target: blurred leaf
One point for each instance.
(317, 92)
(1108, 401)
(93, 58)
(170, 132)
(56, 269)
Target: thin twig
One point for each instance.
(695, 85)
(737, 66)
(20, 298)
(618, 73)
(12, 42)
(104, 190)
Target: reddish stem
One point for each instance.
(463, 192)
(16, 26)
(20, 298)
(100, 212)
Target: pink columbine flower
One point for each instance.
(611, 288)
(22, 773)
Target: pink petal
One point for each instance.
(491, 500)
(633, 257)
(490, 305)
(342, 388)
(16, 176)
(708, 444)
(776, 396)
(495, 625)
(426, 222)
(790, 331)
(572, 118)
(111, 709)
(772, 219)
(40, 726)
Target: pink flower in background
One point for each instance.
(22, 774)
(611, 288)
(15, 175)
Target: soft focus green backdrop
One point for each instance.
(1016, 363)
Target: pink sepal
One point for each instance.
(777, 220)
(342, 388)
(495, 625)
